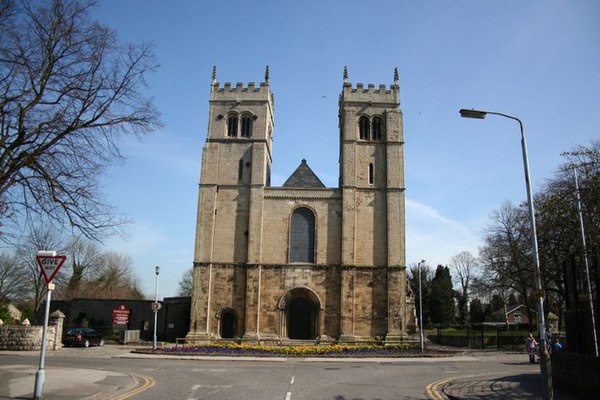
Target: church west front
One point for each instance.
(301, 261)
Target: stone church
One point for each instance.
(301, 261)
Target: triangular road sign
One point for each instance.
(50, 265)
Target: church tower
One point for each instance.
(372, 185)
(236, 167)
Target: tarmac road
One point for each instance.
(113, 372)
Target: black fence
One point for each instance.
(482, 337)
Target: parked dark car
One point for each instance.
(84, 337)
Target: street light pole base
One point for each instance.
(40, 377)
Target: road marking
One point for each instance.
(148, 383)
(432, 389)
(288, 395)
(207, 389)
(196, 387)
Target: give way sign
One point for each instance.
(50, 264)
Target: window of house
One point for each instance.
(377, 130)
(363, 128)
(232, 123)
(517, 316)
(302, 236)
(246, 125)
(371, 173)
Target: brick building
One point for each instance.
(301, 261)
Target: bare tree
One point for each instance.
(464, 266)
(186, 284)
(506, 258)
(84, 260)
(114, 278)
(68, 94)
(13, 281)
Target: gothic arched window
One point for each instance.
(377, 130)
(363, 128)
(246, 123)
(232, 123)
(302, 236)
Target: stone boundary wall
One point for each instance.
(576, 373)
(27, 337)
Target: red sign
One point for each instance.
(121, 315)
(50, 265)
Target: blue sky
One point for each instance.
(537, 60)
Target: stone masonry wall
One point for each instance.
(27, 337)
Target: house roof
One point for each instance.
(516, 308)
(304, 177)
(500, 312)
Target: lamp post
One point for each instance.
(547, 393)
(157, 271)
(420, 307)
(585, 259)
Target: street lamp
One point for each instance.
(420, 307)
(155, 308)
(586, 263)
(547, 393)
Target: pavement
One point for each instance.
(493, 386)
(18, 381)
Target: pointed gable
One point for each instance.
(303, 177)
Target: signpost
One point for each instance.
(49, 263)
(120, 316)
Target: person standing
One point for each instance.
(556, 345)
(531, 346)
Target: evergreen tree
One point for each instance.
(413, 280)
(441, 302)
(476, 313)
(497, 303)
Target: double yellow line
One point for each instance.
(148, 383)
(432, 389)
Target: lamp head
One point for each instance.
(472, 113)
(157, 270)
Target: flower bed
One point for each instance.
(333, 350)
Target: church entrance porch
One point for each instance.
(300, 309)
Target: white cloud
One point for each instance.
(434, 237)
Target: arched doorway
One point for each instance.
(228, 322)
(300, 319)
(300, 308)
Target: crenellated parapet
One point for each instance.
(370, 92)
(240, 91)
